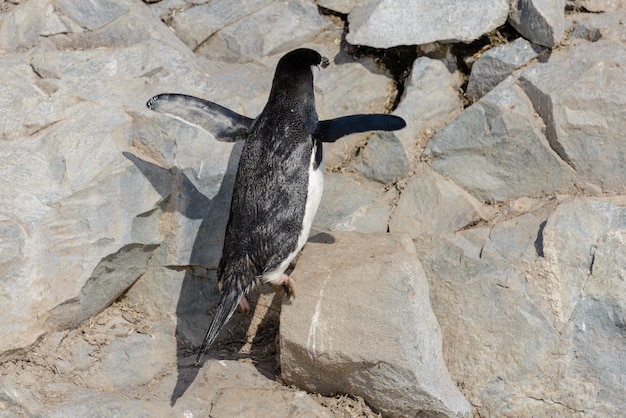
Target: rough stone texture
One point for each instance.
(390, 357)
(121, 365)
(76, 207)
(383, 158)
(388, 23)
(602, 26)
(548, 282)
(99, 194)
(195, 24)
(291, 24)
(340, 6)
(498, 63)
(500, 148)
(350, 203)
(431, 205)
(542, 22)
(584, 125)
(431, 96)
(352, 88)
(598, 5)
(497, 149)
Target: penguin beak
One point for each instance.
(324, 62)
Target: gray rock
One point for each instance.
(542, 22)
(92, 14)
(290, 25)
(431, 96)
(123, 363)
(598, 5)
(581, 126)
(133, 360)
(390, 353)
(603, 26)
(21, 27)
(109, 280)
(584, 125)
(498, 63)
(388, 23)
(345, 89)
(533, 280)
(350, 203)
(496, 149)
(72, 198)
(244, 391)
(383, 159)
(431, 205)
(197, 23)
(340, 6)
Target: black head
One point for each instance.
(300, 60)
(295, 72)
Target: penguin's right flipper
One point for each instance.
(225, 308)
(221, 122)
(333, 129)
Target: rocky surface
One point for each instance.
(390, 357)
(431, 98)
(525, 297)
(388, 23)
(112, 217)
(540, 21)
(498, 63)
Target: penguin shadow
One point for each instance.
(199, 292)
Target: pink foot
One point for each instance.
(244, 305)
(288, 284)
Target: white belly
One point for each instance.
(314, 196)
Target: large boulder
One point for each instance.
(431, 205)
(537, 135)
(388, 23)
(362, 325)
(496, 149)
(531, 298)
(584, 125)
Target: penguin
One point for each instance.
(279, 180)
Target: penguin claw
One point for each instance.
(244, 305)
(289, 285)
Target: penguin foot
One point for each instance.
(288, 284)
(244, 305)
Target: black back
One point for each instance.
(271, 186)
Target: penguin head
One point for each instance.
(297, 70)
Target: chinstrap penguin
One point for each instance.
(279, 181)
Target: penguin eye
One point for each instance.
(324, 62)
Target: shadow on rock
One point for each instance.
(198, 296)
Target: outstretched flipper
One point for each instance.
(221, 122)
(333, 129)
(225, 308)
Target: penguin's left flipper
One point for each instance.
(221, 122)
(333, 129)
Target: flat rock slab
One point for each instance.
(536, 296)
(388, 23)
(350, 203)
(431, 96)
(362, 325)
(497, 64)
(584, 124)
(540, 21)
(432, 205)
(496, 149)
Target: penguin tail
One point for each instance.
(225, 308)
